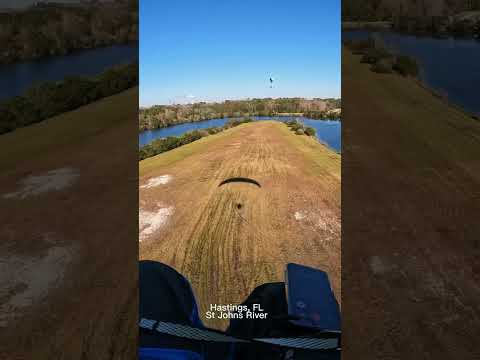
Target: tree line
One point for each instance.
(160, 116)
(171, 142)
(53, 98)
(374, 53)
(57, 29)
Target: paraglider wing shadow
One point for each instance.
(240, 179)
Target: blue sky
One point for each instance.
(211, 50)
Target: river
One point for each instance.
(328, 131)
(450, 66)
(18, 77)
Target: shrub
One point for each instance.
(300, 131)
(310, 131)
(49, 99)
(236, 122)
(289, 123)
(406, 66)
(295, 125)
(382, 61)
(383, 66)
(203, 132)
(372, 56)
(169, 143)
(189, 137)
(213, 130)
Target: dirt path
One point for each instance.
(227, 240)
(411, 225)
(68, 258)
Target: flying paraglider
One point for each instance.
(271, 82)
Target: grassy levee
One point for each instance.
(71, 128)
(431, 129)
(324, 160)
(91, 309)
(226, 250)
(411, 191)
(180, 153)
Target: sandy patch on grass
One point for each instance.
(382, 266)
(157, 181)
(378, 266)
(53, 180)
(320, 220)
(27, 280)
(151, 221)
(300, 215)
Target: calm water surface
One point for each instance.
(16, 78)
(328, 131)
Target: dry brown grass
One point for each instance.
(224, 251)
(88, 308)
(410, 220)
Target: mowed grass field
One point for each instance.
(411, 230)
(69, 253)
(227, 240)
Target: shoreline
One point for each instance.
(224, 128)
(140, 131)
(366, 25)
(432, 90)
(444, 99)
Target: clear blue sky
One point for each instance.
(211, 50)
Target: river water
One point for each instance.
(18, 77)
(328, 131)
(451, 66)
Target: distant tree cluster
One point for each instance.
(160, 116)
(381, 60)
(367, 10)
(321, 115)
(171, 142)
(56, 29)
(300, 129)
(49, 99)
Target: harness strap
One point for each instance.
(192, 333)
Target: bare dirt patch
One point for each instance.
(53, 180)
(157, 181)
(322, 221)
(380, 266)
(27, 280)
(151, 222)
